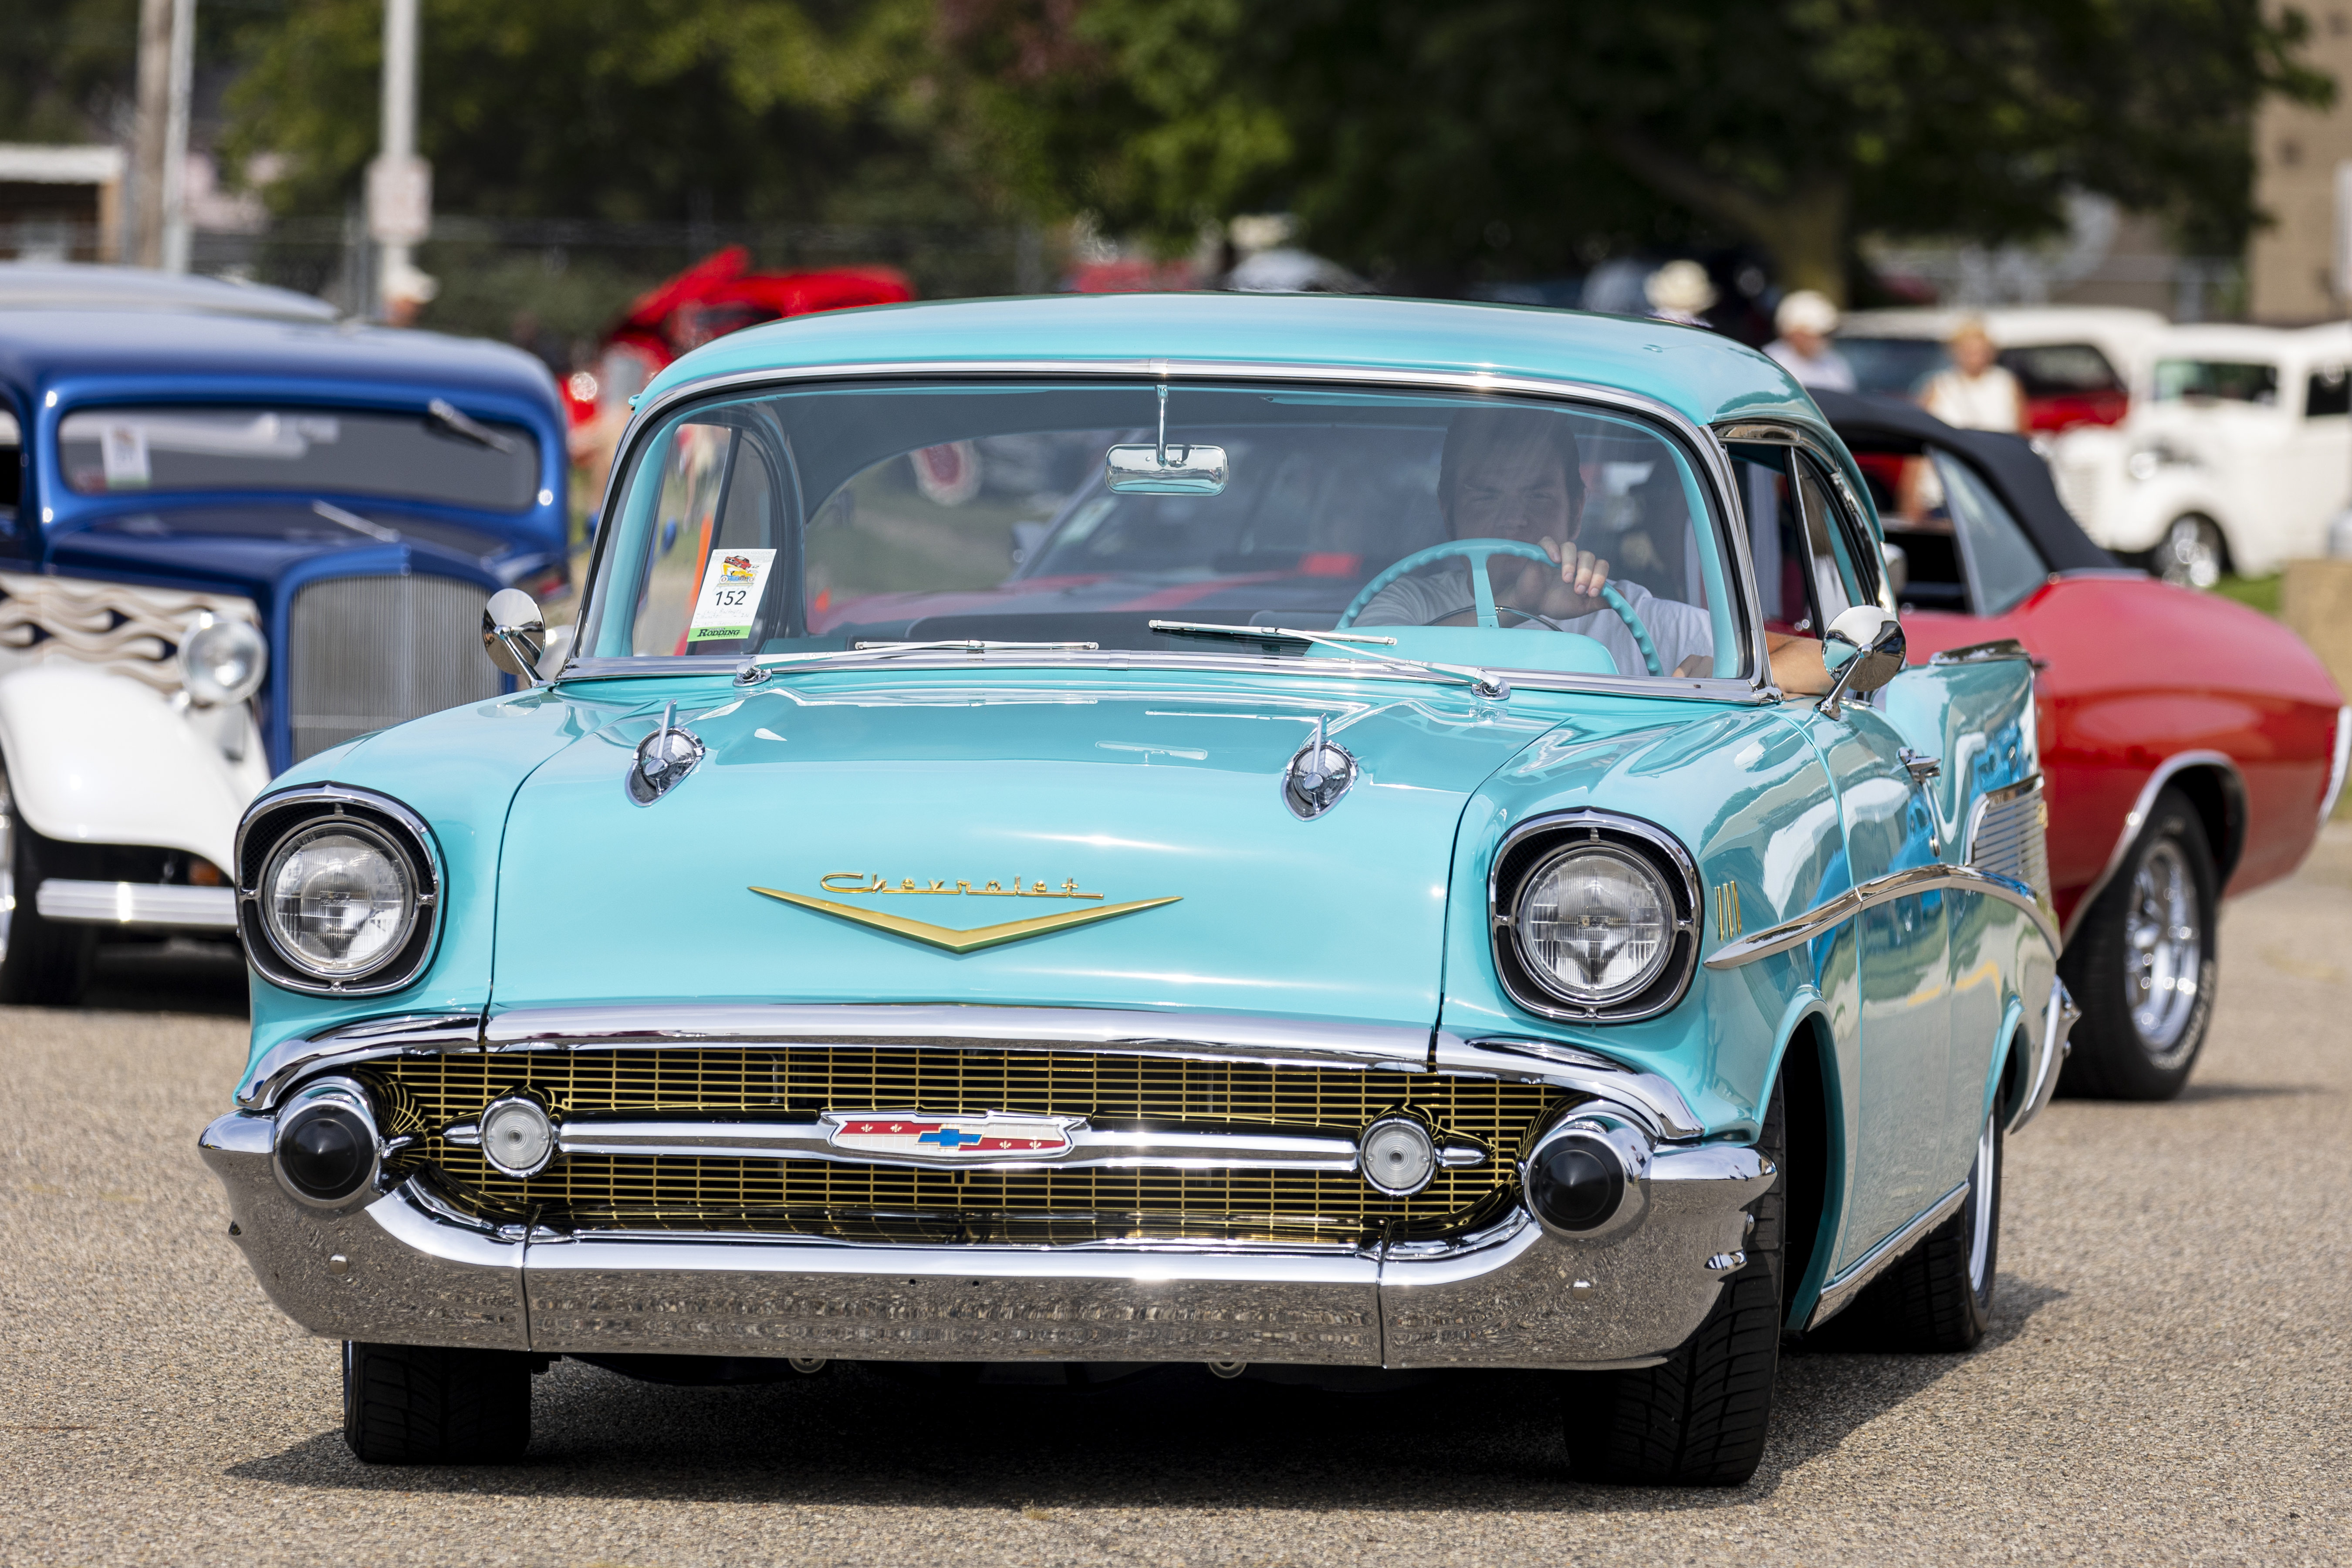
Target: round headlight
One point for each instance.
(223, 661)
(1595, 923)
(339, 900)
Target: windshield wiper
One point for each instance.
(355, 522)
(759, 667)
(444, 412)
(1485, 682)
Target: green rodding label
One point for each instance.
(717, 634)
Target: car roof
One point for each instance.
(2014, 469)
(61, 285)
(1704, 376)
(38, 347)
(2331, 340)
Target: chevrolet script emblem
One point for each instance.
(954, 940)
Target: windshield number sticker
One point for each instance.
(123, 448)
(730, 594)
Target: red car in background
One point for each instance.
(717, 295)
(2191, 746)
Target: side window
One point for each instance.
(2003, 565)
(2328, 392)
(1809, 562)
(1845, 573)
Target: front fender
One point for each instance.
(99, 758)
(2145, 508)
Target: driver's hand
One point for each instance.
(1574, 591)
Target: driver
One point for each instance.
(1515, 473)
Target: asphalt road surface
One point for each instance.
(2166, 1379)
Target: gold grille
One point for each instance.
(423, 1094)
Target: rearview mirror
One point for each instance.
(514, 634)
(1864, 649)
(1164, 470)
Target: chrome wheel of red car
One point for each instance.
(2143, 964)
(2166, 936)
(2192, 554)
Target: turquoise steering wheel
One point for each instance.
(1482, 588)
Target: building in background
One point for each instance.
(2292, 269)
(60, 204)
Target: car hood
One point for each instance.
(251, 547)
(1082, 797)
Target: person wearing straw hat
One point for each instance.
(1679, 291)
(1806, 319)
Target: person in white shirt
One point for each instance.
(1806, 319)
(1515, 473)
(1974, 393)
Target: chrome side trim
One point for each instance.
(2234, 789)
(1707, 449)
(2058, 1019)
(970, 1026)
(1838, 1293)
(137, 904)
(1823, 918)
(808, 1137)
(1988, 801)
(1651, 1097)
(280, 1066)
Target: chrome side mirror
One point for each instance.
(514, 634)
(1864, 649)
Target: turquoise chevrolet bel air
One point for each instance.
(1284, 833)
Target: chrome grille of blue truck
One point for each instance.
(366, 653)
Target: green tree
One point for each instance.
(623, 110)
(1430, 142)
(66, 70)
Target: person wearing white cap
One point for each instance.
(1806, 319)
(407, 289)
(1679, 291)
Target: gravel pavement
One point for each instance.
(2166, 1379)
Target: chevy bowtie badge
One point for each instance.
(968, 939)
(991, 1135)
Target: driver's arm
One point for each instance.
(1797, 667)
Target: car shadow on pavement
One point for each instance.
(871, 1435)
(177, 976)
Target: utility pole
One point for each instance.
(154, 115)
(175, 136)
(400, 183)
(167, 56)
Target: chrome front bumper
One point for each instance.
(402, 1266)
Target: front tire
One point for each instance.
(43, 963)
(432, 1404)
(1698, 1418)
(2145, 964)
(1937, 1297)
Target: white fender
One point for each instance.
(98, 758)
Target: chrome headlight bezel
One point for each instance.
(275, 821)
(198, 683)
(1533, 846)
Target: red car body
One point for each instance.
(717, 295)
(2141, 684)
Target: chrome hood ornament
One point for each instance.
(663, 759)
(1319, 774)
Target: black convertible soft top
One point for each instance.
(2007, 463)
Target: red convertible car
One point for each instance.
(2191, 746)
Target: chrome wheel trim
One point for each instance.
(2190, 555)
(1983, 1181)
(2164, 953)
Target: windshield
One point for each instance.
(2228, 381)
(816, 521)
(448, 459)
